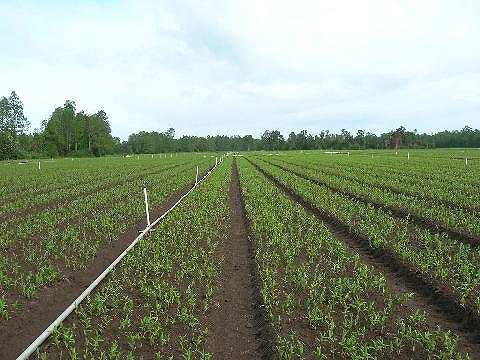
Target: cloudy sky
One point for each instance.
(243, 66)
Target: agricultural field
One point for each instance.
(272, 255)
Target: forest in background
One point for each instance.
(73, 132)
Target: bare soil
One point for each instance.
(238, 322)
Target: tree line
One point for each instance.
(155, 142)
(70, 132)
(66, 132)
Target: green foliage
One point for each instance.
(13, 123)
(154, 301)
(65, 132)
(8, 146)
(445, 261)
(66, 220)
(12, 119)
(273, 140)
(71, 133)
(320, 298)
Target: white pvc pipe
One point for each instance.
(46, 333)
(146, 205)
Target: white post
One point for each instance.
(152, 156)
(466, 161)
(396, 152)
(146, 203)
(216, 161)
(348, 153)
(408, 156)
(196, 177)
(39, 165)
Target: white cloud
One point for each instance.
(244, 66)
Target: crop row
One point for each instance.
(44, 249)
(83, 186)
(417, 172)
(322, 301)
(446, 193)
(155, 303)
(450, 267)
(27, 180)
(457, 222)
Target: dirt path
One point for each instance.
(238, 323)
(441, 311)
(19, 331)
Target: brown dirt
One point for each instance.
(440, 306)
(20, 330)
(238, 326)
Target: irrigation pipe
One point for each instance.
(46, 333)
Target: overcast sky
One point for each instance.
(240, 67)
